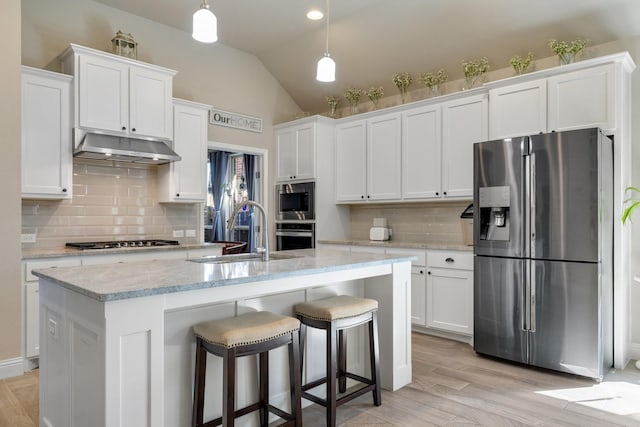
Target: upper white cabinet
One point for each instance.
(518, 109)
(186, 180)
(296, 153)
(120, 95)
(464, 122)
(46, 135)
(351, 161)
(583, 98)
(421, 153)
(368, 159)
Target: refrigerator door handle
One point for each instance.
(532, 292)
(532, 205)
(526, 301)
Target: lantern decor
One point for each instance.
(124, 45)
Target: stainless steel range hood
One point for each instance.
(108, 147)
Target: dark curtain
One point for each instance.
(219, 163)
(250, 177)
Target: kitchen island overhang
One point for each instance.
(105, 357)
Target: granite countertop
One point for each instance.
(69, 252)
(137, 279)
(402, 245)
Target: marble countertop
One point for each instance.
(395, 244)
(69, 252)
(137, 279)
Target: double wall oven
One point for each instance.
(295, 216)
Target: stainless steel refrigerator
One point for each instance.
(543, 230)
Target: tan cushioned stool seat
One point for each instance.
(245, 329)
(338, 307)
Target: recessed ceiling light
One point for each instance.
(315, 14)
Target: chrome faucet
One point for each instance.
(264, 230)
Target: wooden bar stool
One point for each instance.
(245, 335)
(335, 315)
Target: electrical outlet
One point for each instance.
(178, 233)
(190, 233)
(53, 328)
(28, 238)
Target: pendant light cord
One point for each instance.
(327, 32)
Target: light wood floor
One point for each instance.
(451, 386)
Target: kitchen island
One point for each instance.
(116, 347)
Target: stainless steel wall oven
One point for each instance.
(295, 235)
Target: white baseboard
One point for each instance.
(11, 367)
(634, 351)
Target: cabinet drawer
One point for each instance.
(455, 260)
(36, 265)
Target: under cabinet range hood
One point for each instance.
(108, 147)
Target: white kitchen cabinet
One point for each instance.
(518, 109)
(351, 161)
(421, 153)
(119, 95)
(47, 165)
(31, 300)
(185, 181)
(384, 159)
(449, 296)
(583, 98)
(464, 122)
(418, 283)
(368, 159)
(295, 150)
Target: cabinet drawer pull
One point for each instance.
(64, 190)
(449, 260)
(124, 128)
(421, 272)
(133, 130)
(429, 273)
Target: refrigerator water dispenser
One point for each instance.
(494, 212)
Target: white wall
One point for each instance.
(10, 288)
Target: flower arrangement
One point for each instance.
(402, 82)
(434, 80)
(521, 65)
(333, 101)
(567, 51)
(374, 94)
(353, 96)
(474, 70)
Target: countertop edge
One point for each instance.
(399, 245)
(62, 253)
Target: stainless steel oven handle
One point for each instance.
(294, 233)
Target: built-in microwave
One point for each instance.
(295, 201)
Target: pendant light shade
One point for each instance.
(326, 66)
(205, 24)
(326, 69)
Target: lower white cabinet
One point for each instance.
(449, 297)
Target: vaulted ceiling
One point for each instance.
(372, 39)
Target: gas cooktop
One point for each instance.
(121, 244)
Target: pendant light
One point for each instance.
(205, 24)
(326, 65)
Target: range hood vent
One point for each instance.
(108, 147)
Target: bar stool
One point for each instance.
(244, 335)
(335, 315)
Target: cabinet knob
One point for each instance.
(421, 272)
(437, 194)
(429, 273)
(449, 260)
(133, 129)
(177, 194)
(64, 190)
(444, 192)
(368, 196)
(362, 196)
(124, 128)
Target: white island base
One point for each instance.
(129, 362)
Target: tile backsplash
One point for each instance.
(436, 222)
(111, 201)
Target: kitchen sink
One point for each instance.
(254, 256)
